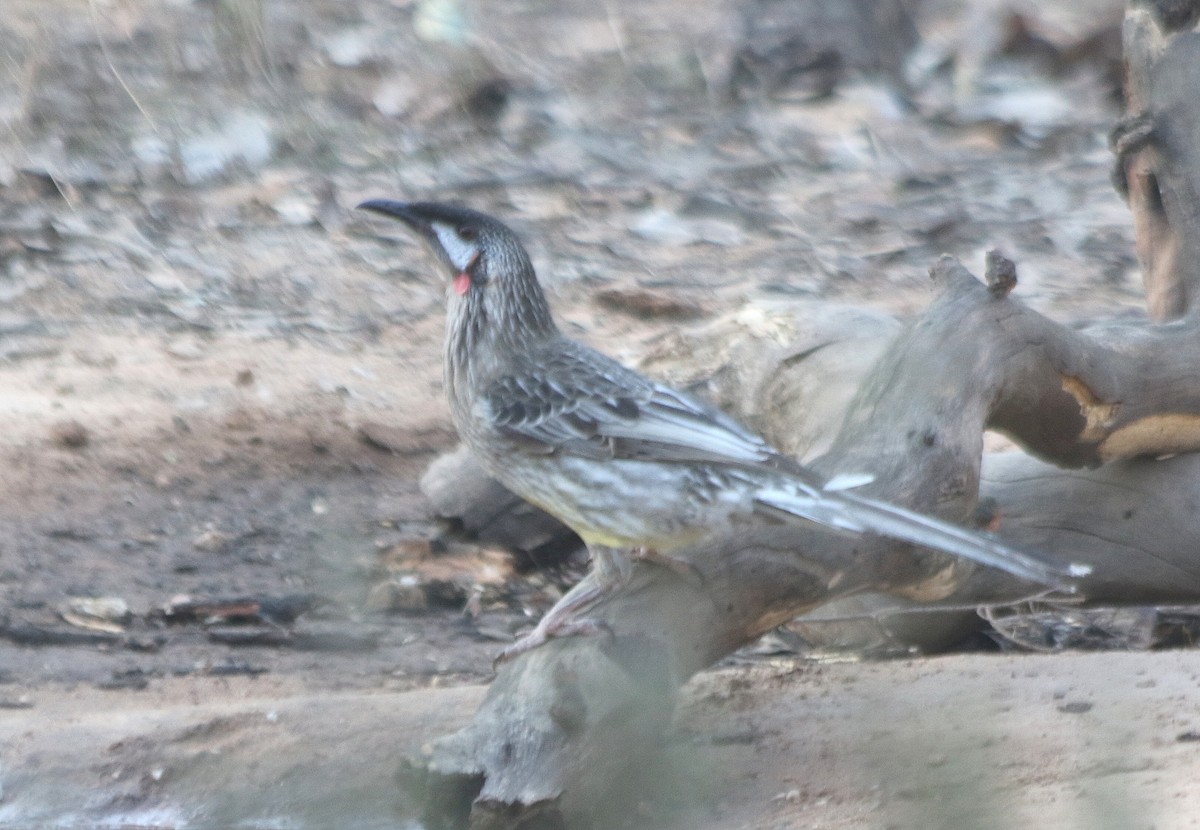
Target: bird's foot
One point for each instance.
(681, 567)
(561, 620)
(544, 633)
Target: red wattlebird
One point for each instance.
(636, 468)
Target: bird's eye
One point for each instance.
(467, 233)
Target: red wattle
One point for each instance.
(462, 284)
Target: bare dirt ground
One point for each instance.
(198, 333)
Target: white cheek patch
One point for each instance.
(461, 253)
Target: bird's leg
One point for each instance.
(610, 571)
(560, 621)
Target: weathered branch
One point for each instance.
(1076, 398)
(1135, 518)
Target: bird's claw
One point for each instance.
(543, 633)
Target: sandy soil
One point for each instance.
(1081, 740)
(197, 331)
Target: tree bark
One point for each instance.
(1158, 150)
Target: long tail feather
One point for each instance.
(845, 511)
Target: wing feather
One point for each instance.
(579, 402)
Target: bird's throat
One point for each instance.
(462, 284)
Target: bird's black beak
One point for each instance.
(397, 210)
(411, 215)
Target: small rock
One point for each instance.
(669, 229)
(332, 386)
(185, 348)
(212, 541)
(70, 434)
(151, 151)
(243, 138)
(440, 21)
(351, 48)
(1075, 707)
(166, 283)
(404, 594)
(113, 609)
(395, 97)
(664, 226)
(295, 211)
(241, 420)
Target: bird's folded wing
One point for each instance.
(590, 406)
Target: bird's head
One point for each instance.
(475, 249)
(495, 302)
